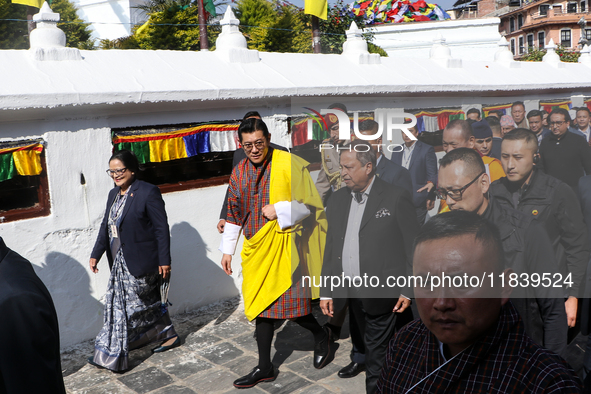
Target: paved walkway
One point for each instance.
(217, 348)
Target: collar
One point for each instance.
(378, 160)
(412, 147)
(368, 190)
(555, 138)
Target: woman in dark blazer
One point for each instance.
(134, 233)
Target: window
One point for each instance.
(512, 25)
(183, 156)
(530, 42)
(541, 40)
(565, 38)
(544, 9)
(519, 21)
(588, 34)
(513, 46)
(521, 46)
(571, 8)
(24, 191)
(583, 6)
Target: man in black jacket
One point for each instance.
(464, 185)
(30, 346)
(552, 203)
(371, 228)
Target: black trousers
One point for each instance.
(370, 335)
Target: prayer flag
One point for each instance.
(32, 3)
(317, 8)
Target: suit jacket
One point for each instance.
(423, 168)
(386, 235)
(585, 198)
(394, 173)
(144, 233)
(576, 131)
(30, 349)
(239, 155)
(495, 151)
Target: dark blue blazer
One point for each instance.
(394, 173)
(144, 233)
(495, 151)
(585, 198)
(423, 168)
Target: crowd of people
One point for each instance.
(515, 205)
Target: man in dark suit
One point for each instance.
(30, 346)
(535, 118)
(371, 228)
(239, 155)
(419, 158)
(386, 169)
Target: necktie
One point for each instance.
(358, 197)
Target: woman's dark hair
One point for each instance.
(250, 126)
(128, 158)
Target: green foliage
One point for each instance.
(175, 28)
(536, 55)
(77, 33)
(333, 29)
(13, 34)
(129, 42)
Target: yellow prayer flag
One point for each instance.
(168, 149)
(27, 162)
(143, 27)
(32, 3)
(317, 8)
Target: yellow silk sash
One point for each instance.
(267, 260)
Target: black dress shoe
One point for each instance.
(351, 370)
(162, 348)
(255, 377)
(324, 350)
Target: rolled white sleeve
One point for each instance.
(290, 213)
(230, 238)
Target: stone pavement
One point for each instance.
(217, 348)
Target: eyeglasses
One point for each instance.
(559, 123)
(260, 144)
(455, 195)
(119, 171)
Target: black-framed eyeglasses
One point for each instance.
(260, 144)
(119, 171)
(455, 195)
(558, 123)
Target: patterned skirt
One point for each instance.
(295, 302)
(134, 316)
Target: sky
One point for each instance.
(445, 4)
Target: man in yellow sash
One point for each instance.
(272, 199)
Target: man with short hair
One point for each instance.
(464, 185)
(457, 134)
(582, 120)
(469, 339)
(482, 137)
(263, 204)
(419, 158)
(329, 178)
(386, 169)
(536, 124)
(507, 124)
(564, 155)
(549, 201)
(518, 114)
(371, 227)
(238, 156)
(495, 126)
(474, 114)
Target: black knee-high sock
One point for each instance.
(264, 335)
(310, 323)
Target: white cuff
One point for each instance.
(325, 298)
(290, 213)
(229, 238)
(402, 295)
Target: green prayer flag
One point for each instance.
(141, 150)
(7, 168)
(209, 7)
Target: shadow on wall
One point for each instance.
(196, 280)
(79, 313)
